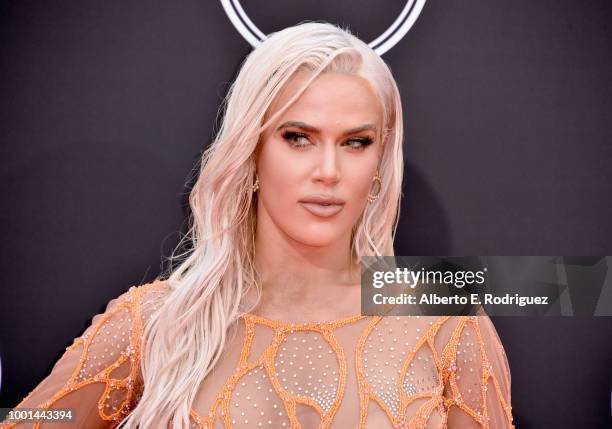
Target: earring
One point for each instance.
(372, 198)
(256, 185)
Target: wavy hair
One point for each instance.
(184, 339)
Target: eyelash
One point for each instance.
(291, 136)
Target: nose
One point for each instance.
(328, 169)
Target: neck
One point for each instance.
(305, 282)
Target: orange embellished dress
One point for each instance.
(369, 372)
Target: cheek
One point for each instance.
(280, 175)
(359, 180)
(359, 185)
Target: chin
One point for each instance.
(316, 238)
(312, 243)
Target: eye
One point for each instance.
(359, 143)
(296, 139)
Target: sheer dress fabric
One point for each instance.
(356, 372)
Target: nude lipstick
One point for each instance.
(322, 205)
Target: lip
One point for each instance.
(322, 199)
(322, 210)
(322, 205)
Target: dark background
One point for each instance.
(106, 106)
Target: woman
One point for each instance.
(259, 324)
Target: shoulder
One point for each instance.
(458, 338)
(122, 321)
(148, 296)
(138, 300)
(114, 338)
(473, 340)
(476, 372)
(477, 329)
(144, 299)
(150, 291)
(107, 355)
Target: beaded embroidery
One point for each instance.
(406, 372)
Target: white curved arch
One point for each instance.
(388, 39)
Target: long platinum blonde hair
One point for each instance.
(184, 339)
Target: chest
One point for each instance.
(362, 374)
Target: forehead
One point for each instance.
(333, 100)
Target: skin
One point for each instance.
(304, 260)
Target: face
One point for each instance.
(324, 149)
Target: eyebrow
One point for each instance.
(315, 130)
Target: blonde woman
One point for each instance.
(259, 323)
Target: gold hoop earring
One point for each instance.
(255, 187)
(372, 198)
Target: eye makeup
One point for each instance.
(363, 142)
(294, 137)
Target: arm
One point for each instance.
(477, 381)
(96, 376)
